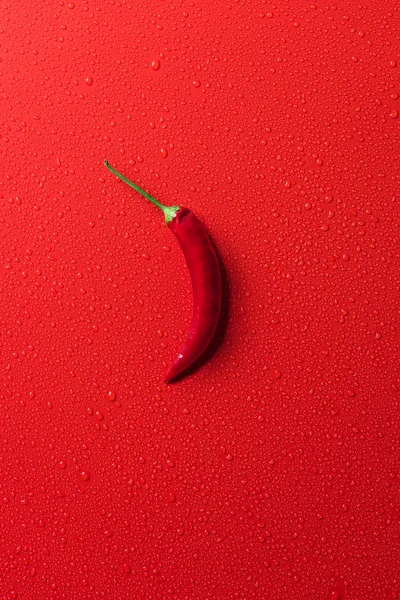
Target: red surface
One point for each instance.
(272, 471)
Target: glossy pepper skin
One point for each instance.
(205, 274)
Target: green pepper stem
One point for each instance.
(169, 211)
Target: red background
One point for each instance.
(270, 472)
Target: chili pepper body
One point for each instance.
(205, 275)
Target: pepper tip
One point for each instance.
(170, 376)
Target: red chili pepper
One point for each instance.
(205, 274)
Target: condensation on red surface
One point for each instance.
(271, 471)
